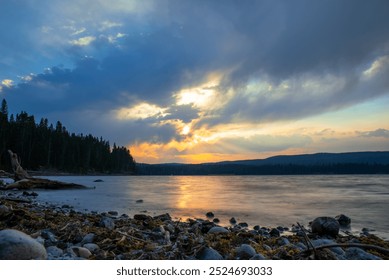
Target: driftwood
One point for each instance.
(24, 181)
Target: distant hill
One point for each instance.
(320, 163)
(319, 159)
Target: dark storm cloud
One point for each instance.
(178, 43)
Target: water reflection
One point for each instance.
(263, 200)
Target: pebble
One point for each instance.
(209, 254)
(218, 229)
(4, 210)
(107, 222)
(54, 252)
(233, 221)
(258, 257)
(113, 213)
(16, 245)
(209, 215)
(325, 226)
(92, 247)
(274, 232)
(81, 252)
(89, 238)
(245, 252)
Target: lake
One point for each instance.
(257, 200)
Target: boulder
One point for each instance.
(16, 245)
(325, 226)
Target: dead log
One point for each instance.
(24, 181)
(19, 172)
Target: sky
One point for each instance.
(203, 81)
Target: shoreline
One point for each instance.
(68, 234)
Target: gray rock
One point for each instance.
(283, 241)
(209, 254)
(359, 254)
(258, 257)
(113, 213)
(89, 238)
(54, 252)
(81, 252)
(233, 221)
(4, 210)
(343, 220)
(50, 239)
(16, 245)
(107, 222)
(218, 230)
(337, 250)
(92, 247)
(325, 226)
(245, 252)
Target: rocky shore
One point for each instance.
(30, 230)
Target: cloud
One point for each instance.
(380, 133)
(162, 68)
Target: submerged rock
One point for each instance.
(325, 226)
(16, 245)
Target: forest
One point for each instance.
(45, 147)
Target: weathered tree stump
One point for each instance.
(24, 181)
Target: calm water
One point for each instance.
(257, 200)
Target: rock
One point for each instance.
(343, 220)
(4, 211)
(216, 220)
(89, 238)
(210, 215)
(92, 247)
(50, 239)
(142, 217)
(359, 254)
(257, 228)
(163, 217)
(81, 252)
(113, 213)
(54, 252)
(325, 226)
(274, 233)
(209, 254)
(337, 250)
(98, 181)
(139, 201)
(218, 229)
(107, 222)
(258, 257)
(233, 221)
(245, 252)
(243, 224)
(283, 241)
(16, 245)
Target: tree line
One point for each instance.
(43, 146)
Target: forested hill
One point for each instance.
(321, 163)
(42, 146)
